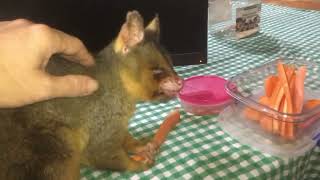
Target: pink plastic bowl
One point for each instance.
(204, 95)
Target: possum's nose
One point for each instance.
(179, 82)
(171, 86)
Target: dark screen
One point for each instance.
(96, 22)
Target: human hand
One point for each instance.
(25, 49)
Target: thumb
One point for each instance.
(72, 86)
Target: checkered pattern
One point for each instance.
(198, 148)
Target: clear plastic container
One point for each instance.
(250, 86)
(204, 95)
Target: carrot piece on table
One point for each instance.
(269, 85)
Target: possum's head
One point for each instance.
(146, 69)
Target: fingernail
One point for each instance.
(91, 61)
(92, 86)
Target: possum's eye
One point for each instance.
(158, 73)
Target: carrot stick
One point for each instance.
(285, 75)
(299, 88)
(266, 123)
(276, 96)
(281, 127)
(297, 100)
(287, 128)
(309, 121)
(253, 114)
(283, 124)
(284, 93)
(310, 104)
(290, 130)
(292, 87)
(269, 85)
(167, 125)
(137, 158)
(274, 102)
(278, 125)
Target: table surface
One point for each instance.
(198, 148)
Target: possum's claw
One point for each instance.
(147, 154)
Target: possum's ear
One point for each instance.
(131, 33)
(153, 28)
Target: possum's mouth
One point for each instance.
(170, 86)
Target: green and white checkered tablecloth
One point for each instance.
(198, 148)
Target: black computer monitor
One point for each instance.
(97, 22)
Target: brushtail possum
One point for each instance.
(50, 140)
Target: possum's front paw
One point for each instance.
(138, 166)
(147, 154)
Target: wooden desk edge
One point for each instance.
(301, 4)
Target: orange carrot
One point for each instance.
(269, 85)
(137, 158)
(287, 129)
(297, 100)
(292, 87)
(253, 114)
(265, 121)
(276, 97)
(299, 88)
(285, 75)
(264, 100)
(312, 103)
(280, 96)
(167, 125)
(281, 125)
(274, 102)
(284, 93)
